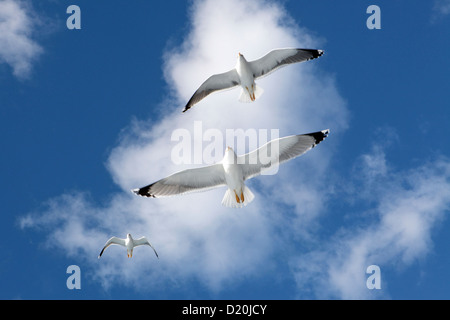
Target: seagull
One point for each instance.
(129, 243)
(232, 171)
(245, 73)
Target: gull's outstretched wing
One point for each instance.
(216, 82)
(190, 180)
(278, 151)
(112, 240)
(281, 57)
(143, 241)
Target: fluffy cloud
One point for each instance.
(196, 237)
(392, 213)
(17, 47)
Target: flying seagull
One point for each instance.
(245, 73)
(129, 243)
(234, 170)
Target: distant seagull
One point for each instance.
(233, 170)
(129, 243)
(245, 73)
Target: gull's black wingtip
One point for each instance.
(315, 53)
(189, 104)
(319, 136)
(143, 192)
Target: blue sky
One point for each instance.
(88, 114)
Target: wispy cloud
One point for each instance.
(18, 49)
(397, 212)
(441, 8)
(196, 238)
(391, 214)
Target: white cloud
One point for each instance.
(194, 235)
(405, 208)
(198, 239)
(17, 47)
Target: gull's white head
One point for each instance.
(240, 57)
(229, 149)
(229, 156)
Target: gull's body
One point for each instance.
(234, 176)
(245, 73)
(247, 80)
(234, 170)
(128, 243)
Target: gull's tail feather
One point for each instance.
(230, 199)
(258, 91)
(245, 96)
(248, 195)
